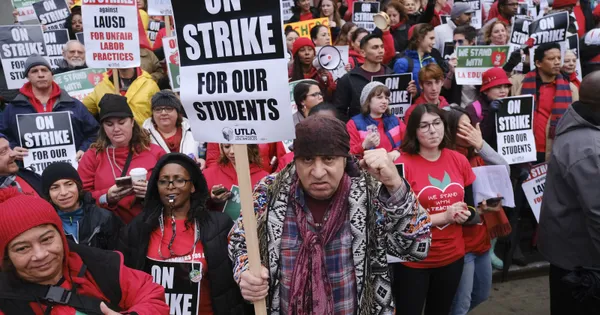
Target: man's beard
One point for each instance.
(73, 63)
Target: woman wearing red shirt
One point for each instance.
(221, 177)
(442, 180)
(303, 11)
(375, 99)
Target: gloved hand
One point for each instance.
(513, 61)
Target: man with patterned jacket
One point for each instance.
(325, 227)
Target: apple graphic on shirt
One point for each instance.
(441, 194)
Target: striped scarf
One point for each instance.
(562, 97)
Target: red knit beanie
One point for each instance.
(563, 3)
(301, 42)
(19, 213)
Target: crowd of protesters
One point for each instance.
(331, 208)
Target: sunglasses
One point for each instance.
(459, 42)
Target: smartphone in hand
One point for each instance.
(124, 182)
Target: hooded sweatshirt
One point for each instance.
(98, 171)
(569, 230)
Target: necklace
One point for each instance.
(174, 228)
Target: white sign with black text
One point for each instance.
(17, 43)
(514, 129)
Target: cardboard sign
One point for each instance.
(303, 28)
(172, 60)
(111, 34)
(55, 41)
(160, 7)
(48, 137)
(153, 28)
(339, 55)
(363, 14)
(400, 99)
(473, 61)
(287, 5)
(233, 205)
(236, 80)
(476, 17)
(514, 129)
(25, 9)
(52, 13)
(16, 44)
(181, 294)
(534, 188)
(573, 45)
(79, 83)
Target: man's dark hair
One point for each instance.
(502, 2)
(468, 31)
(323, 106)
(366, 39)
(301, 92)
(541, 50)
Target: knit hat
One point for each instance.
(563, 3)
(321, 135)
(367, 90)
(19, 213)
(493, 77)
(57, 171)
(166, 98)
(459, 9)
(113, 105)
(301, 42)
(34, 61)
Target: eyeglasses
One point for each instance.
(177, 183)
(316, 94)
(459, 42)
(167, 110)
(437, 124)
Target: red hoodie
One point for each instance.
(99, 170)
(267, 152)
(227, 176)
(421, 100)
(27, 90)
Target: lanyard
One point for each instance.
(174, 228)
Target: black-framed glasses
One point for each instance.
(316, 94)
(166, 109)
(177, 183)
(437, 124)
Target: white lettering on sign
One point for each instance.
(163, 276)
(514, 107)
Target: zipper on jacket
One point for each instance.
(89, 240)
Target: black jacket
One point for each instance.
(63, 67)
(99, 227)
(349, 88)
(33, 179)
(296, 17)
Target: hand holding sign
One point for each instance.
(20, 152)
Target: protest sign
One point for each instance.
(233, 205)
(52, 13)
(17, 43)
(303, 28)
(534, 186)
(550, 28)
(79, 83)
(363, 13)
(160, 7)
(333, 59)
(172, 60)
(48, 137)
(153, 28)
(55, 41)
(236, 84)
(514, 129)
(287, 5)
(111, 34)
(80, 38)
(25, 10)
(476, 17)
(473, 61)
(520, 32)
(400, 99)
(573, 46)
(181, 293)
(448, 50)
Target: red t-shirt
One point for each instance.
(174, 141)
(477, 238)
(182, 245)
(439, 184)
(542, 114)
(306, 16)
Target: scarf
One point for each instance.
(310, 286)
(7, 181)
(562, 96)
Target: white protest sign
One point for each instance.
(52, 13)
(79, 83)
(111, 33)
(533, 187)
(400, 99)
(235, 87)
(16, 44)
(48, 137)
(172, 60)
(25, 10)
(363, 14)
(287, 5)
(160, 7)
(55, 41)
(514, 129)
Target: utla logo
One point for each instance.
(245, 132)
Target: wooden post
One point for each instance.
(116, 81)
(168, 25)
(242, 168)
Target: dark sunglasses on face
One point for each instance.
(459, 42)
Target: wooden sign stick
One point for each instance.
(116, 81)
(242, 168)
(168, 25)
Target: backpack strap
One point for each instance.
(411, 65)
(477, 106)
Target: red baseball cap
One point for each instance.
(563, 3)
(302, 42)
(493, 77)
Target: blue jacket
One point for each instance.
(401, 65)
(85, 126)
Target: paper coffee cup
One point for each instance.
(138, 174)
